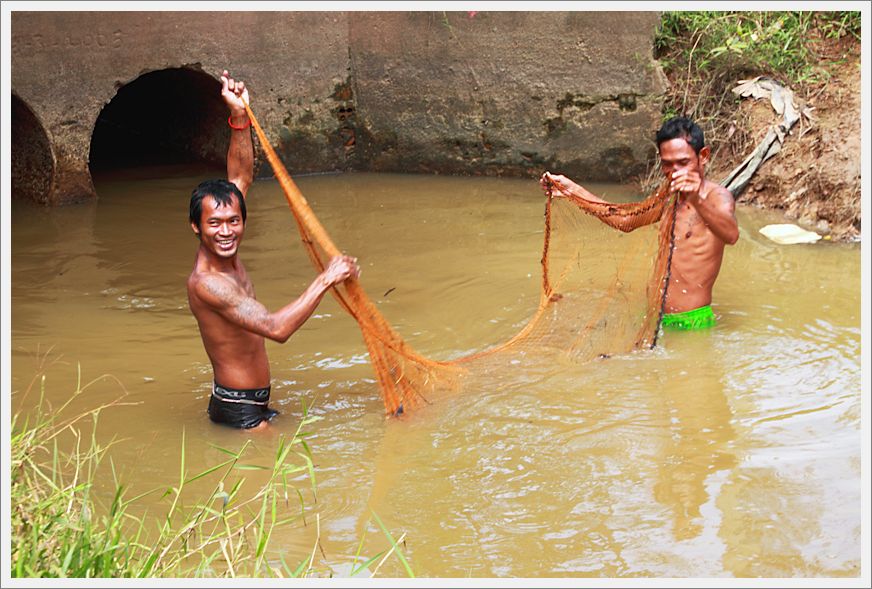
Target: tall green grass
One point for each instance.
(61, 528)
(706, 53)
(780, 44)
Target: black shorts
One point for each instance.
(242, 408)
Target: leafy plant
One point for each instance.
(59, 527)
(705, 53)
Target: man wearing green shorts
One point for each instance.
(705, 222)
(701, 318)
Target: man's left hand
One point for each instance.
(688, 183)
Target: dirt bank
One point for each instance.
(815, 179)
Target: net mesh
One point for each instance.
(609, 300)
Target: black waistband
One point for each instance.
(247, 396)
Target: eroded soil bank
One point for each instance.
(815, 179)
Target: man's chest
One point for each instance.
(243, 282)
(689, 225)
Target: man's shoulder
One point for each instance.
(718, 192)
(211, 287)
(713, 188)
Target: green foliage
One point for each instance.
(60, 529)
(706, 53)
(839, 24)
(779, 44)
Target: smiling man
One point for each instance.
(705, 222)
(233, 324)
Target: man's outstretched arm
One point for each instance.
(561, 185)
(227, 299)
(240, 154)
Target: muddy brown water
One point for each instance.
(731, 452)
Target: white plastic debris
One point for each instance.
(786, 234)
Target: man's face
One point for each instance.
(221, 227)
(677, 154)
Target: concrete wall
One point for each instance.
(508, 93)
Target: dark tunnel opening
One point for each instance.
(32, 164)
(167, 117)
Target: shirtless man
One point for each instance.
(705, 222)
(233, 324)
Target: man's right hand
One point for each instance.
(339, 269)
(556, 183)
(560, 185)
(235, 94)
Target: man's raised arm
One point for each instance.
(240, 154)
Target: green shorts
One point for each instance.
(701, 318)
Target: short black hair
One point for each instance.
(681, 128)
(221, 190)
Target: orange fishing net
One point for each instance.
(589, 306)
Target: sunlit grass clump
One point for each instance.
(60, 528)
(706, 53)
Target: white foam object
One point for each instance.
(786, 234)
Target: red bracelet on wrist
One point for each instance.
(242, 128)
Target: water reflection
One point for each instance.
(734, 451)
(699, 432)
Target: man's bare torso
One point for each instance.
(697, 257)
(238, 356)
